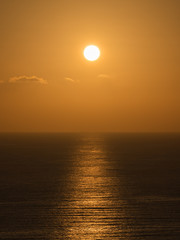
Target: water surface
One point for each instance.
(72, 186)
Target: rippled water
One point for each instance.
(108, 186)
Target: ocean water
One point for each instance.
(90, 187)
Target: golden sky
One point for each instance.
(46, 84)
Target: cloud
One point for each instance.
(71, 80)
(24, 78)
(103, 76)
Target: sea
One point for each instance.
(89, 186)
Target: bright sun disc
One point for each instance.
(91, 53)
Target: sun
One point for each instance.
(91, 53)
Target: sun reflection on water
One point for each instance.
(90, 209)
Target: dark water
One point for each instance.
(70, 186)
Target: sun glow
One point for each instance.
(91, 53)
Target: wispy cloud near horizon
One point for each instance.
(25, 78)
(104, 76)
(68, 79)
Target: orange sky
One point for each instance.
(47, 85)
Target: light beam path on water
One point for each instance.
(89, 210)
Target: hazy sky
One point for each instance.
(47, 85)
